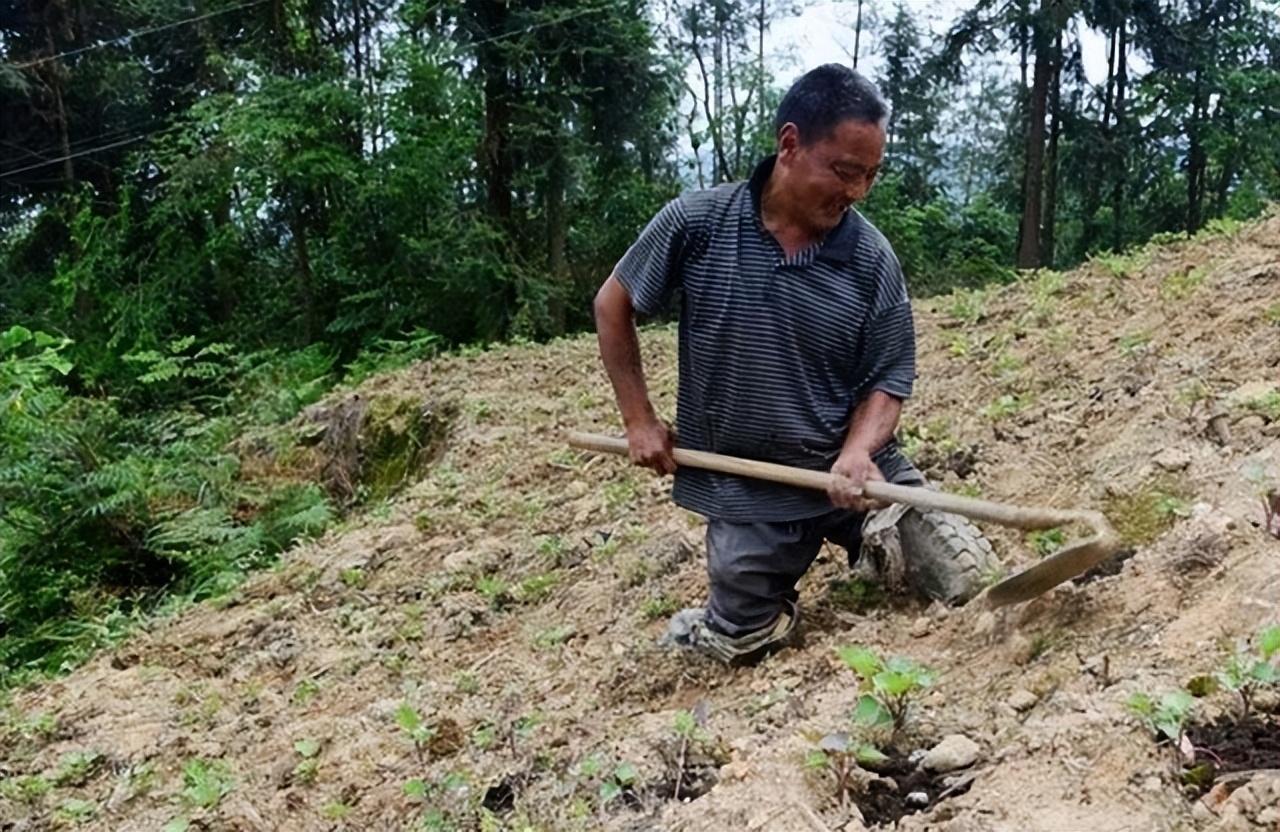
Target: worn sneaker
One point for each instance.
(689, 630)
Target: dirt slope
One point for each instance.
(510, 600)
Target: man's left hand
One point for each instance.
(853, 469)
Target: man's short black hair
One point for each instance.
(824, 97)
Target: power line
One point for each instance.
(553, 22)
(98, 149)
(43, 153)
(138, 33)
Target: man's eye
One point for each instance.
(854, 174)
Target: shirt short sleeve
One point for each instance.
(650, 270)
(889, 345)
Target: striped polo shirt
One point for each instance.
(774, 351)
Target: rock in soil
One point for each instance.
(955, 751)
(1022, 700)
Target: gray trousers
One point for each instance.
(753, 568)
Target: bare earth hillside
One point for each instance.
(479, 653)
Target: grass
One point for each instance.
(967, 306)
(1143, 515)
(855, 595)
(1133, 343)
(1124, 265)
(1045, 543)
(660, 607)
(1267, 405)
(1181, 285)
(1007, 405)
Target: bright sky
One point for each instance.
(824, 33)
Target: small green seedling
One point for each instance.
(1168, 717)
(536, 588)
(74, 810)
(1247, 672)
(688, 727)
(1045, 543)
(621, 780)
(76, 768)
(494, 589)
(659, 607)
(309, 766)
(305, 691)
(353, 578)
(1005, 406)
(27, 789)
(205, 783)
(410, 721)
(839, 756)
(889, 687)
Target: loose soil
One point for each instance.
(1238, 745)
(512, 598)
(885, 805)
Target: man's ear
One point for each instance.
(788, 140)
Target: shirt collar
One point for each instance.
(840, 243)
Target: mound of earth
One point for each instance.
(477, 652)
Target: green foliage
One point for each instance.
(1045, 543)
(1245, 672)
(308, 767)
(943, 245)
(76, 810)
(1006, 405)
(1267, 405)
(1178, 286)
(128, 502)
(837, 756)
(1167, 717)
(622, 779)
(889, 687)
(29, 788)
(205, 783)
(659, 607)
(856, 595)
(413, 726)
(1122, 265)
(76, 768)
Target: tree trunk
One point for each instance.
(1196, 157)
(1029, 233)
(857, 35)
(764, 115)
(557, 229)
(717, 60)
(1048, 237)
(306, 278)
(54, 77)
(1119, 150)
(495, 154)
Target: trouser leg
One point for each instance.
(753, 569)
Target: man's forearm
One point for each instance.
(620, 352)
(874, 421)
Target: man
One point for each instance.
(796, 345)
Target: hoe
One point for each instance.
(1073, 559)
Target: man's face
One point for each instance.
(826, 176)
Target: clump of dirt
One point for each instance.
(1233, 744)
(903, 788)
(364, 447)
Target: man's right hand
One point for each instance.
(651, 445)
